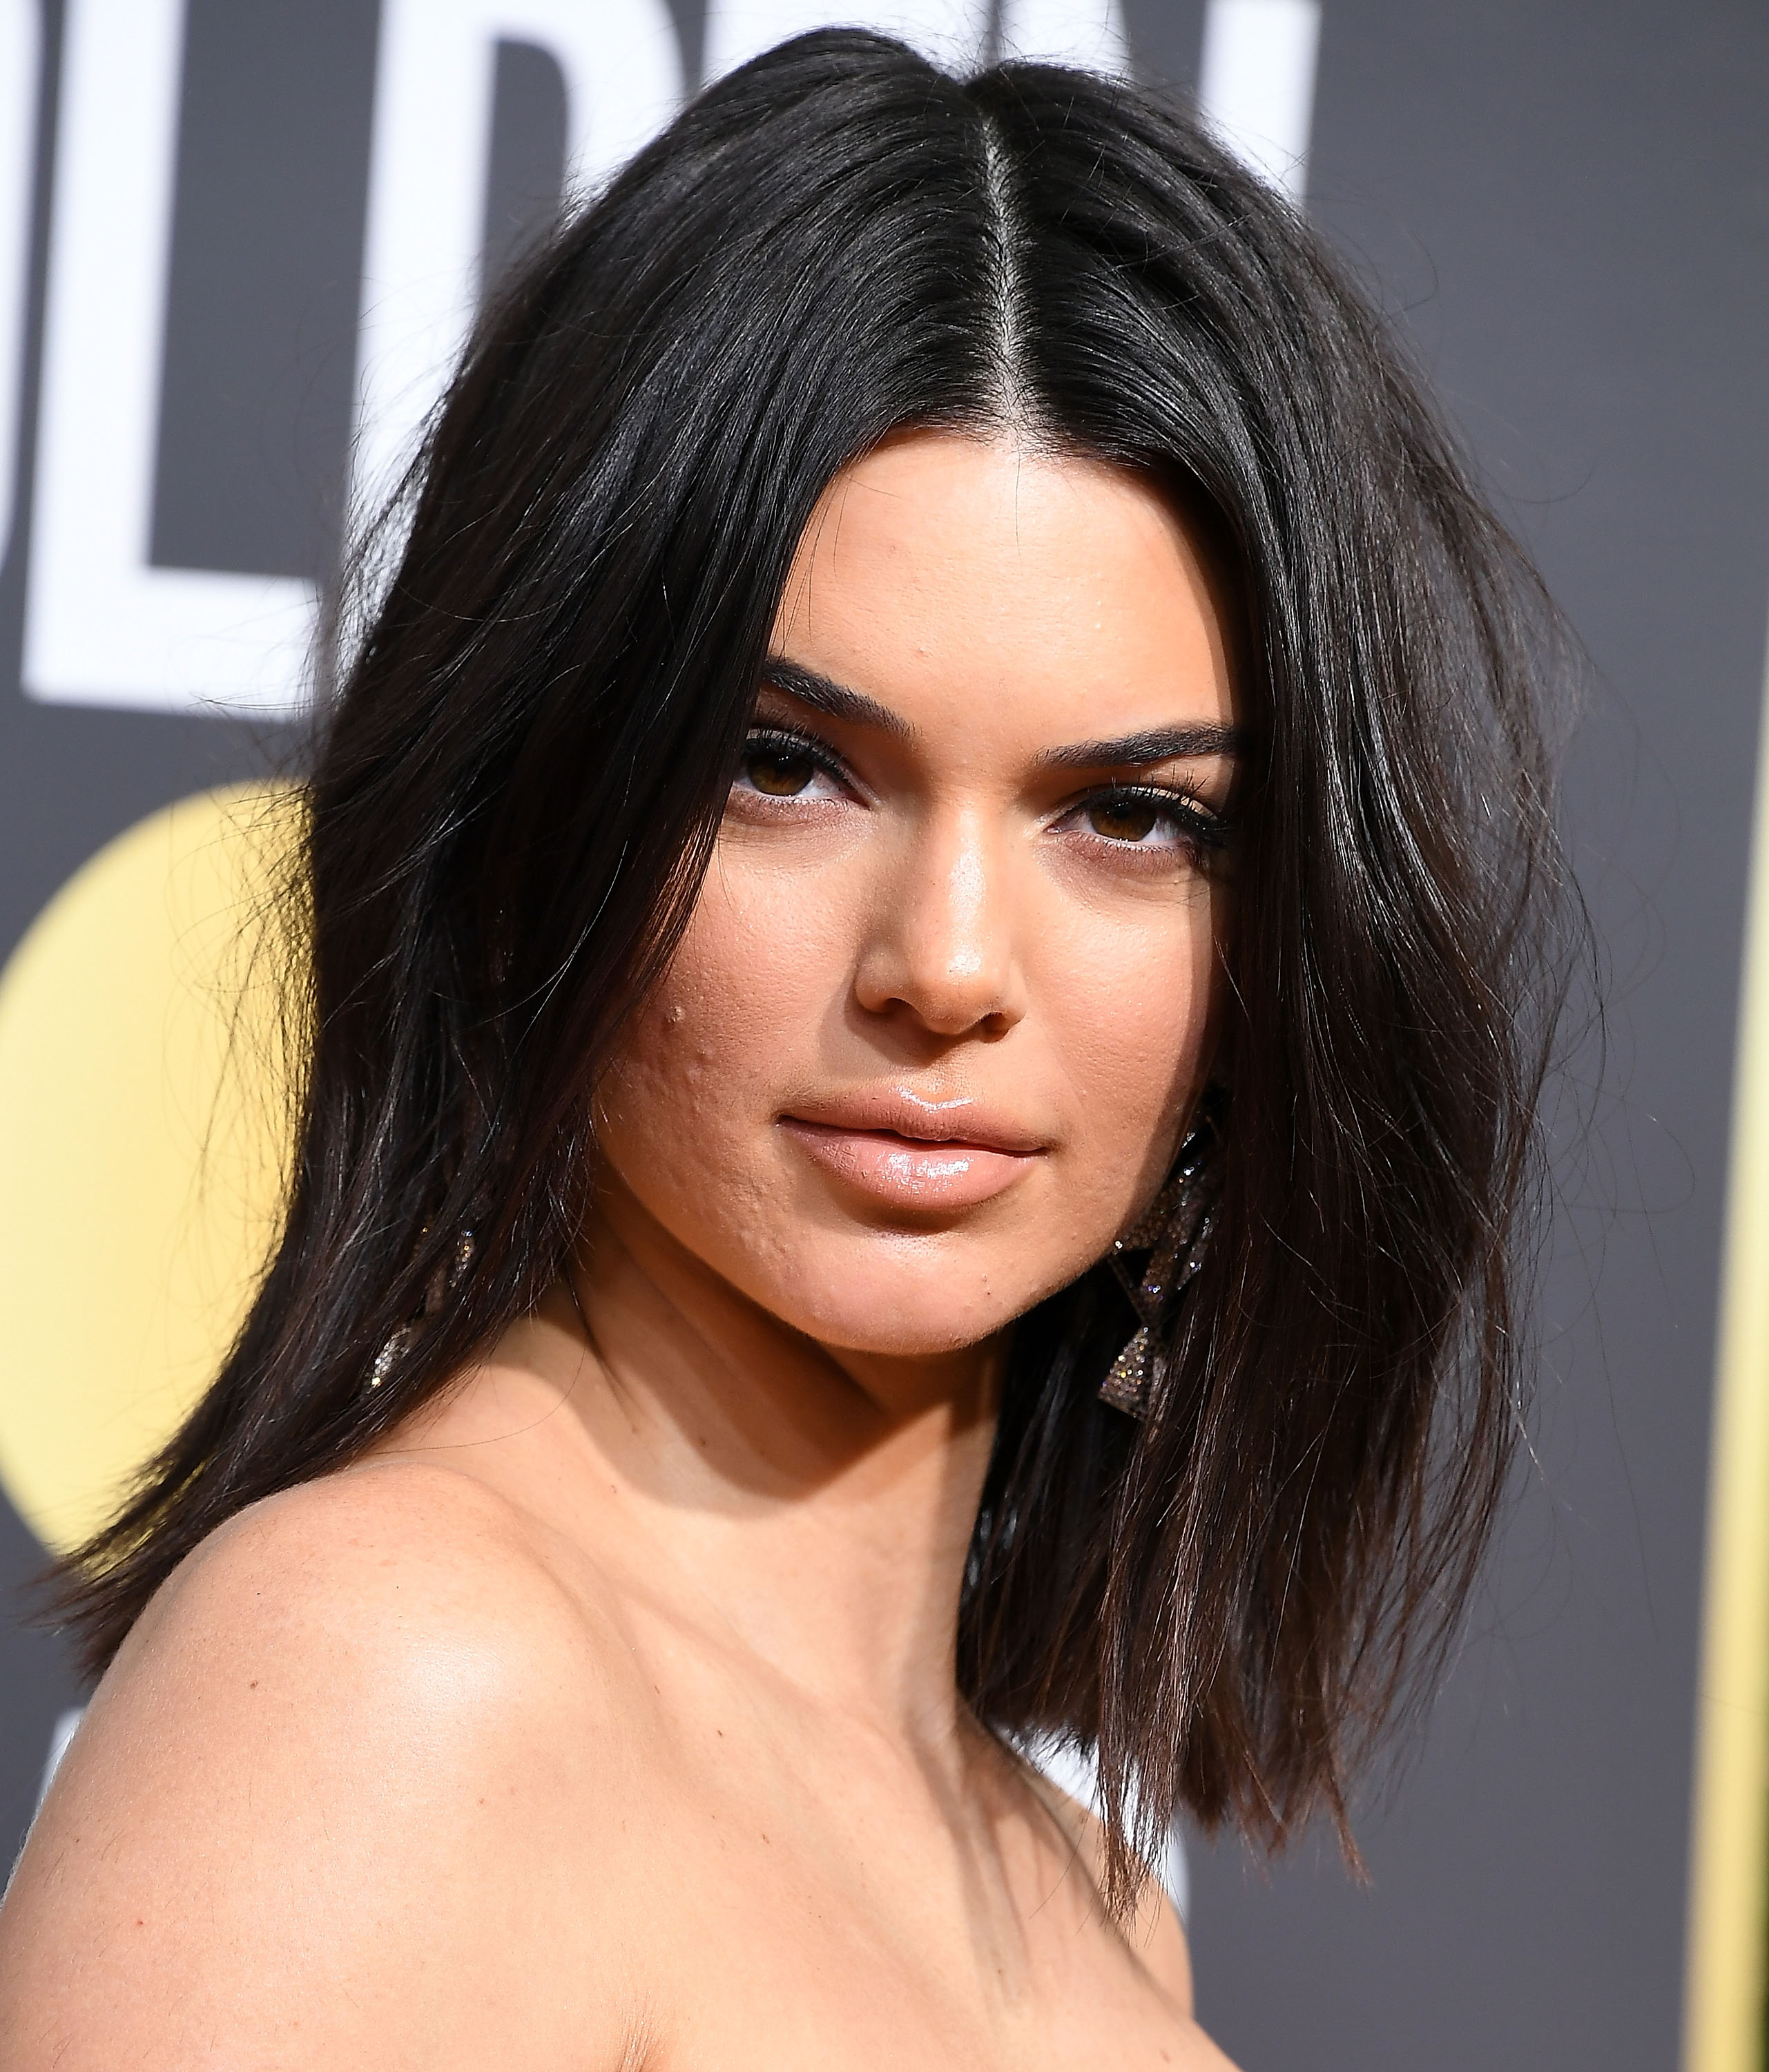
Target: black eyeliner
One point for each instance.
(766, 731)
(1212, 830)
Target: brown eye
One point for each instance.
(1123, 820)
(781, 773)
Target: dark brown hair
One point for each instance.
(517, 780)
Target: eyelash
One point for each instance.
(1199, 827)
(1201, 831)
(790, 740)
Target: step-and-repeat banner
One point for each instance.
(239, 246)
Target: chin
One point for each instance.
(883, 1337)
(905, 1309)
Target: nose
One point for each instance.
(942, 946)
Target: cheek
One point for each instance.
(685, 1109)
(1129, 1017)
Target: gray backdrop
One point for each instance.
(1566, 203)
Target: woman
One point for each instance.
(926, 1008)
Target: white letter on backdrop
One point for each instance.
(952, 31)
(20, 51)
(1082, 32)
(1256, 83)
(102, 626)
(435, 77)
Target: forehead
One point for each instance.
(1062, 590)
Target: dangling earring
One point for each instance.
(447, 1276)
(1172, 1232)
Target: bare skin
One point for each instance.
(606, 1718)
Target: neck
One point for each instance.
(812, 1506)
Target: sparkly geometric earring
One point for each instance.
(1172, 1233)
(447, 1276)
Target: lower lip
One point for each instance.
(907, 1171)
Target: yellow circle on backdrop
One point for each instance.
(143, 1128)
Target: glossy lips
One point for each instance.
(898, 1147)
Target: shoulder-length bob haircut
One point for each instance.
(520, 772)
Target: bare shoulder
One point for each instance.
(336, 1745)
(353, 1561)
(399, 1602)
(1154, 1932)
(1153, 1937)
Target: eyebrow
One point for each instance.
(1155, 744)
(825, 696)
(1160, 744)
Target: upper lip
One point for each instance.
(903, 1112)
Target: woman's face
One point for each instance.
(932, 1035)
